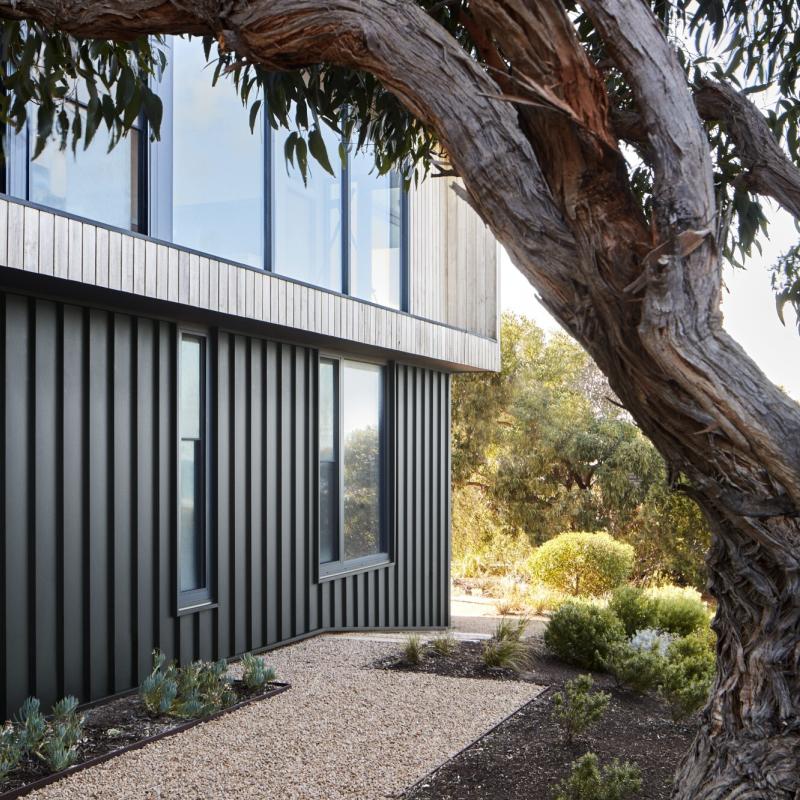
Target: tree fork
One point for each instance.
(548, 179)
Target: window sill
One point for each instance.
(341, 569)
(194, 609)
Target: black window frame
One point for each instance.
(331, 570)
(193, 600)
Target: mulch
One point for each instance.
(525, 756)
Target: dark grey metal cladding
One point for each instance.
(88, 509)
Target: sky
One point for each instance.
(748, 307)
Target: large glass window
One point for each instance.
(352, 482)
(217, 164)
(375, 255)
(308, 218)
(92, 183)
(193, 583)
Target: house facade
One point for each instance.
(224, 412)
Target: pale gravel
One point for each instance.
(344, 730)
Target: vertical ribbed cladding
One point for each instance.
(89, 510)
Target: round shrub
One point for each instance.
(689, 673)
(678, 610)
(634, 607)
(583, 634)
(580, 563)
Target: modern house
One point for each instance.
(224, 410)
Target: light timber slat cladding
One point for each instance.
(453, 280)
(453, 258)
(88, 515)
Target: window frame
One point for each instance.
(327, 571)
(193, 600)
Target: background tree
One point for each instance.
(535, 104)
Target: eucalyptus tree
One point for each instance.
(618, 168)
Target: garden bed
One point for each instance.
(117, 726)
(525, 756)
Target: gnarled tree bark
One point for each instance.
(547, 175)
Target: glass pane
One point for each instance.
(191, 541)
(191, 387)
(218, 165)
(327, 411)
(375, 202)
(328, 512)
(91, 183)
(362, 404)
(308, 219)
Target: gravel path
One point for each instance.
(342, 731)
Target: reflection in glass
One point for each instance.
(375, 203)
(362, 403)
(308, 219)
(191, 542)
(91, 183)
(328, 464)
(218, 165)
(191, 551)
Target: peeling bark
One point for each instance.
(547, 176)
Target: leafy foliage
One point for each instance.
(31, 726)
(203, 689)
(689, 673)
(10, 751)
(160, 688)
(679, 610)
(583, 634)
(638, 668)
(255, 672)
(578, 708)
(634, 608)
(581, 563)
(587, 781)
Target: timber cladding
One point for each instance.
(88, 501)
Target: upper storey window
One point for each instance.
(93, 183)
(217, 164)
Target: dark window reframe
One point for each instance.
(334, 569)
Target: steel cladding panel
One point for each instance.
(88, 541)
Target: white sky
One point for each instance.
(748, 306)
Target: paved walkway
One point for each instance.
(344, 730)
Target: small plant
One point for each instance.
(583, 634)
(582, 564)
(160, 688)
(412, 649)
(506, 653)
(634, 607)
(688, 673)
(56, 753)
(511, 602)
(639, 669)
(31, 726)
(540, 600)
(255, 672)
(651, 639)
(203, 689)
(444, 645)
(579, 707)
(587, 781)
(10, 751)
(511, 630)
(67, 724)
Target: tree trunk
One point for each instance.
(547, 175)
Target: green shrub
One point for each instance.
(583, 634)
(255, 672)
(638, 669)
(412, 649)
(580, 563)
(579, 707)
(506, 653)
(444, 645)
(31, 726)
(634, 607)
(689, 673)
(678, 610)
(160, 688)
(586, 781)
(511, 629)
(10, 752)
(203, 689)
